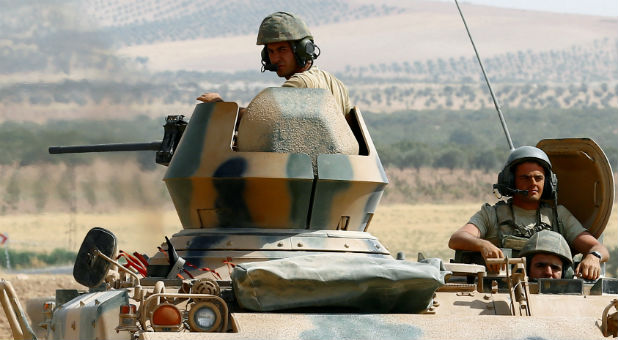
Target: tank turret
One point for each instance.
(288, 179)
(292, 177)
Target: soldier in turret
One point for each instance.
(527, 178)
(289, 50)
(547, 256)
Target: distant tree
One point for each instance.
(65, 187)
(583, 87)
(463, 137)
(559, 90)
(450, 159)
(12, 192)
(146, 160)
(604, 87)
(485, 160)
(88, 189)
(418, 157)
(116, 191)
(40, 190)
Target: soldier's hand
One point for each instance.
(589, 268)
(210, 97)
(489, 250)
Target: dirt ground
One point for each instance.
(29, 286)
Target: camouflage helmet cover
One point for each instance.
(282, 26)
(550, 242)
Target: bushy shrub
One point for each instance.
(29, 259)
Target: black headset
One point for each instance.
(506, 180)
(305, 50)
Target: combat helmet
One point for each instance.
(284, 26)
(547, 241)
(506, 177)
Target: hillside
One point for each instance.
(120, 59)
(345, 30)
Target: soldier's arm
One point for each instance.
(210, 97)
(590, 267)
(468, 237)
(213, 97)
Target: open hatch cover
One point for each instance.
(585, 180)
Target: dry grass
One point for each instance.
(422, 228)
(426, 228)
(401, 227)
(137, 230)
(438, 185)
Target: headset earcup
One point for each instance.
(304, 51)
(551, 186)
(504, 179)
(265, 57)
(309, 48)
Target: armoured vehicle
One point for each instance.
(275, 209)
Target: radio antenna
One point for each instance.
(491, 91)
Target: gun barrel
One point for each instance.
(155, 146)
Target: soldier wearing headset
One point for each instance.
(289, 50)
(527, 178)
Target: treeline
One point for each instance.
(144, 22)
(421, 150)
(390, 98)
(474, 139)
(19, 259)
(26, 143)
(595, 62)
(436, 138)
(408, 154)
(100, 186)
(99, 93)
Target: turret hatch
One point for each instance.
(585, 180)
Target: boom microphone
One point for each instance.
(269, 67)
(519, 192)
(506, 191)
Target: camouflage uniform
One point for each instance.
(319, 79)
(486, 220)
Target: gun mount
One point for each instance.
(172, 133)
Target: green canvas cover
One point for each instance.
(368, 284)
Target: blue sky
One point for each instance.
(590, 7)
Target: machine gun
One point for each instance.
(172, 132)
